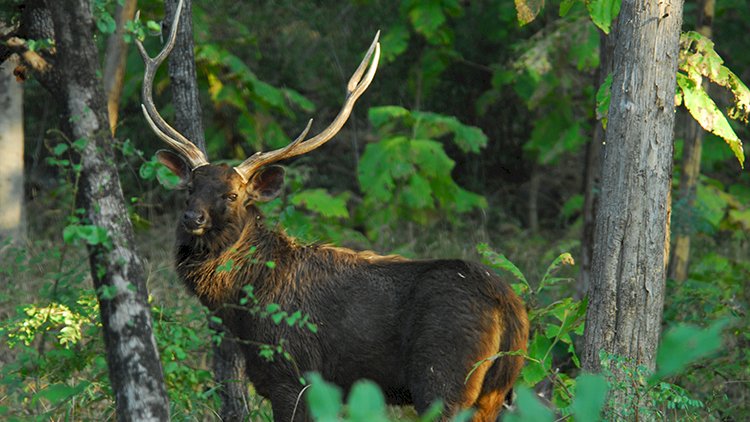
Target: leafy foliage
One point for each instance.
(409, 175)
(699, 60)
(503, 98)
(552, 324)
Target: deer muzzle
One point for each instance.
(196, 222)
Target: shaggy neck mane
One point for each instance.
(216, 268)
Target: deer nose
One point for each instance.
(193, 219)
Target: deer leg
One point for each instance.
(288, 403)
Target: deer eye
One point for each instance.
(231, 197)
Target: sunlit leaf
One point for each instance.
(603, 12)
(527, 10)
(704, 111)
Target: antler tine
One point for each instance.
(163, 130)
(355, 88)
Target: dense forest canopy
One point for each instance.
(477, 140)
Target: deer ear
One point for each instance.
(266, 184)
(176, 165)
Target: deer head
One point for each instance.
(220, 196)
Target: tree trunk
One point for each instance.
(114, 61)
(632, 234)
(116, 267)
(228, 361)
(182, 75)
(592, 173)
(691, 164)
(12, 224)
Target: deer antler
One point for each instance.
(195, 157)
(356, 86)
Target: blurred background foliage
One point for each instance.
(470, 116)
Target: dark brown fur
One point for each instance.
(414, 327)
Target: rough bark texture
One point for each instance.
(592, 173)
(114, 61)
(182, 75)
(632, 234)
(691, 164)
(11, 150)
(229, 373)
(133, 360)
(228, 361)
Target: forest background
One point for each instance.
(476, 131)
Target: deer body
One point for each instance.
(414, 327)
(417, 328)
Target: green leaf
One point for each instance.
(704, 111)
(153, 26)
(366, 403)
(602, 100)
(293, 318)
(323, 399)
(699, 59)
(57, 393)
(300, 100)
(427, 18)
(566, 5)
(572, 206)
(603, 12)
(590, 397)
(740, 218)
(60, 148)
(166, 178)
(528, 408)
(500, 262)
(89, 234)
(540, 362)
(80, 144)
(394, 42)
(322, 202)
(433, 412)
(710, 204)
(684, 344)
(277, 318)
(273, 307)
(106, 23)
(563, 259)
(225, 267)
(381, 115)
(269, 94)
(147, 171)
(418, 193)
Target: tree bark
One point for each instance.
(691, 164)
(12, 223)
(632, 234)
(182, 75)
(592, 173)
(228, 360)
(116, 267)
(114, 61)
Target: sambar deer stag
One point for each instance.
(415, 327)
